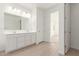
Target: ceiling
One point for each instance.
(45, 5)
(41, 5)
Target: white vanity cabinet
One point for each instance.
(10, 43)
(28, 39)
(18, 41)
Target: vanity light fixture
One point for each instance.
(17, 11)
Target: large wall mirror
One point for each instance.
(14, 22)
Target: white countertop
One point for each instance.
(17, 32)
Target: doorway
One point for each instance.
(54, 27)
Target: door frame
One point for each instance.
(59, 7)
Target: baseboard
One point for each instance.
(75, 48)
(60, 53)
(40, 42)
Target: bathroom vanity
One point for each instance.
(15, 41)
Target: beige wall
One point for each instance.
(75, 25)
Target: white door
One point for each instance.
(39, 25)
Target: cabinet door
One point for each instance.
(20, 42)
(11, 43)
(28, 39)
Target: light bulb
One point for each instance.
(18, 10)
(15, 10)
(28, 15)
(9, 8)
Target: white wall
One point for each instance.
(40, 24)
(61, 30)
(67, 31)
(75, 25)
(60, 8)
(34, 19)
(1, 27)
(46, 25)
(37, 23)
